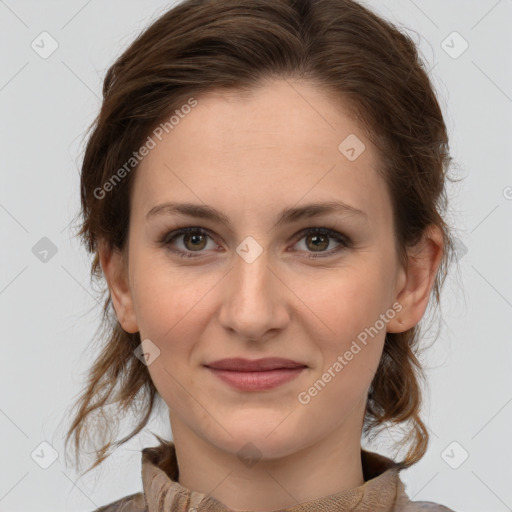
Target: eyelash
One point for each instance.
(169, 237)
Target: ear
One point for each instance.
(415, 282)
(115, 269)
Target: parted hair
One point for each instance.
(197, 46)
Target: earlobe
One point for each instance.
(417, 280)
(115, 270)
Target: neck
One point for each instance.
(331, 465)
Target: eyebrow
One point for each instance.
(287, 216)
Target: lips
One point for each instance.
(256, 375)
(238, 364)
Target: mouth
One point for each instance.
(256, 375)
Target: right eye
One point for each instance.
(193, 239)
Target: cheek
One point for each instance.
(352, 345)
(345, 302)
(168, 309)
(167, 299)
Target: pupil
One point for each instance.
(320, 245)
(195, 238)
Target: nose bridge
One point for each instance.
(253, 303)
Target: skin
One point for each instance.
(250, 156)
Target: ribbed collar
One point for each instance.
(381, 492)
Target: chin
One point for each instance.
(258, 440)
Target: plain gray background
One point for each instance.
(49, 313)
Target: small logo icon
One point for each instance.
(352, 147)
(249, 249)
(454, 45)
(44, 455)
(147, 352)
(249, 454)
(459, 248)
(44, 45)
(44, 250)
(454, 455)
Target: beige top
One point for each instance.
(383, 491)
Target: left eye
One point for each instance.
(320, 240)
(194, 239)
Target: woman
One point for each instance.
(263, 192)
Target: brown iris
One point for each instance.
(194, 238)
(316, 241)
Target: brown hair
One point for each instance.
(201, 45)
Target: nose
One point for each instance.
(255, 300)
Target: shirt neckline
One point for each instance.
(163, 493)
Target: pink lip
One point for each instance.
(257, 375)
(257, 381)
(247, 365)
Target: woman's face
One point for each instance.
(252, 286)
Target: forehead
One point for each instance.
(279, 143)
